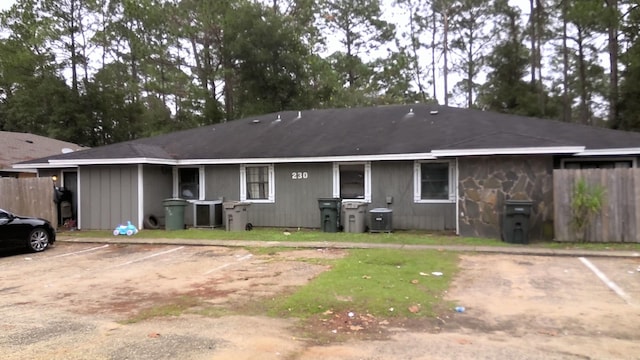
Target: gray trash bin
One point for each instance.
(381, 220)
(354, 216)
(515, 226)
(174, 213)
(236, 215)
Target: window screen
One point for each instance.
(352, 181)
(257, 182)
(434, 181)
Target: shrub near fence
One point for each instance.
(619, 217)
(29, 197)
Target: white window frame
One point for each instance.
(367, 180)
(243, 184)
(417, 182)
(201, 179)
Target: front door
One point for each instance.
(70, 182)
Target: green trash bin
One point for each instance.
(174, 213)
(329, 214)
(515, 225)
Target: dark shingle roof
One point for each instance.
(398, 129)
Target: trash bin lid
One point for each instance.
(381, 210)
(519, 202)
(353, 204)
(233, 204)
(174, 202)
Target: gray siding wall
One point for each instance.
(158, 185)
(222, 181)
(395, 179)
(109, 196)
(296, 199)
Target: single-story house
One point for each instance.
(437, 168)
(18, 147)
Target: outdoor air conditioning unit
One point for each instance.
(207, 214)
(381, 220)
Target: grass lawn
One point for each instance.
(382, 283)
(295, 235)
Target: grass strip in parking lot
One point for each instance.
(310, 235)
(176, 307)
(303, 235)
(382, 283)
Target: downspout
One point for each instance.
(140, 196)
(457, 197)
(79, 202)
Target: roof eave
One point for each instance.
(569, 150)
(317, 159)
(187, 162)
(81, 162)
(509, 151)
(605, 152)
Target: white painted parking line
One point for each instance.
(246, 257)
(621, 293)
(147, 257)
(81, 251)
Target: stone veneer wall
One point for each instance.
(485, 182)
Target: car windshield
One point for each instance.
(4, 214)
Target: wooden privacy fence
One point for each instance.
(619, 217)
(29, 197)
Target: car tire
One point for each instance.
(151, 222)
(38, 240)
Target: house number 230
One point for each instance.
(299, 175)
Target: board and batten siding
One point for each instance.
(395, 179)
(296, 197)
(109, 196)
(222, 181)
(158, 185)
(298, 186)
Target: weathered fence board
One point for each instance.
(29, 197)
(619, 218)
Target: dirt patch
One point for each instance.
(76, 299)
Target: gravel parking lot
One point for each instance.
(78, 301)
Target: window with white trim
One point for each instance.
(257, 183)
(434, 181)
(189, 183)
(352, 181)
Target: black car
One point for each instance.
(19, 231)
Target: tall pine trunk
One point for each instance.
(613, 47)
